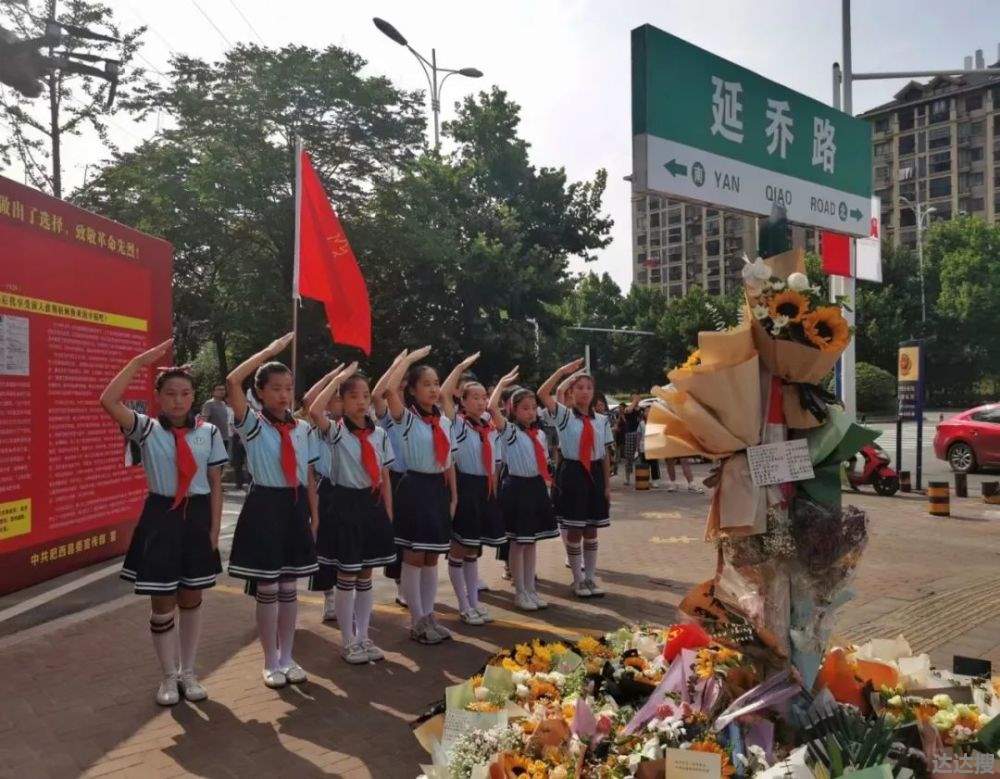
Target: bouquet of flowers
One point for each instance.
(798, 335)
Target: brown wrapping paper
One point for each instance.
(728, 393)
(738, 508)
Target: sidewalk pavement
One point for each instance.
(77, 699)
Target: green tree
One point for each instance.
(219, 183)
(888, 313)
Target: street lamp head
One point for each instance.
(931, 210)
(389, 31)
(471, 72)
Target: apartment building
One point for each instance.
(678, 246)
(936, 144)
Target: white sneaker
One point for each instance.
(538, 601)
(329, 610)
(671, 486)
(294, 673)
(191, 687)
(355, 654)
(167, 694)
(438, 628)
(524, 602)
(482, 586)
(695, 487)
(423, 632)
(274, 679)
(484, 613)
(595, 590)
(581, 590)
(375, 655)
(471, 617)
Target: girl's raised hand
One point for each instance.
(349, 371)
(150, 356)
(571, 367)
(464, 365)
(509, 378)
(278, 345)
(419, 354)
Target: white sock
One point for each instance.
(165, 641)
(590, 557)
(409, 583)
(517, 566)
(428, 588)
(344, 604)
(457, 576)
(190, 625)
(528, 560)
(267, 623)
(564, 535)
(288, 609)
(364, 600)
(470, 567)
(575, 556)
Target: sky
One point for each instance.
(566, 62)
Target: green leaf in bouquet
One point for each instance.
(989, 735)
(835, 755)
(498, 679)
(458, 696)
(568, 662)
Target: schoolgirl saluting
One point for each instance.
(174, 552)
(356, 534)
(273, 544)
(426, 496)
(583, 494)
(524, 492)
(478, 521)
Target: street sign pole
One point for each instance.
(847, 359)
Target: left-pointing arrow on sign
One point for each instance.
(674, 168)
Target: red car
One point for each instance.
(970, 439)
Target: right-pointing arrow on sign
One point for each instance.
(856, 213)
(674, 168)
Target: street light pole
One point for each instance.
(921, 215)
(431, 71)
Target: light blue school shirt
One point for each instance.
(159, 454)
(345, 448)
(263, 445)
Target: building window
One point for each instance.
(674, 273)
(654, 276)
(712, 247)
(942, 211)
(939, 111)
(640, 239)
(938, 137)
(882, 125)
(654, 220)
(654, 203)
(713, 287)
(883, 149)
(906, 145)
(940, 187)
(974, 102)
(975, 154)
(641, 277)
(940, 162)
(905, 119)
(971, 205)
(641, 259)
(908, 190)
(906, 218)
(676, 291)
(966, 180)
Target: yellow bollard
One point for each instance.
(938, 501)
(642, 477)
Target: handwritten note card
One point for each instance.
(784, 461)
(687, 764)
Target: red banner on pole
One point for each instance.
(835, 251)
(327, 269)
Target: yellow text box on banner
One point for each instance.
(66, 311)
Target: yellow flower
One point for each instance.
(558, 648)
(589, 645)
(704, 664)
(511, 665)
(827, 329)
(476, 681)
(710, 745)
(482, 706)
(727, 655)
(789, 303)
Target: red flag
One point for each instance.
(326, 268)
(835, 250)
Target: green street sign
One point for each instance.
(707, 130)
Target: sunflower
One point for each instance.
(712, 746)
(789, 303)
(827, 329)
(704, 664)
(694, 360)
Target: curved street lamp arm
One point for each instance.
(424, 65)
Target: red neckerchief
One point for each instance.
(586, 441)
(187, 467)
(289, 462)
(369, 460)
(541, 459)
(486, 450)
(441, 444)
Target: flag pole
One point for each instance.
(296, 298)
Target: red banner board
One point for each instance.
(79, 296)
